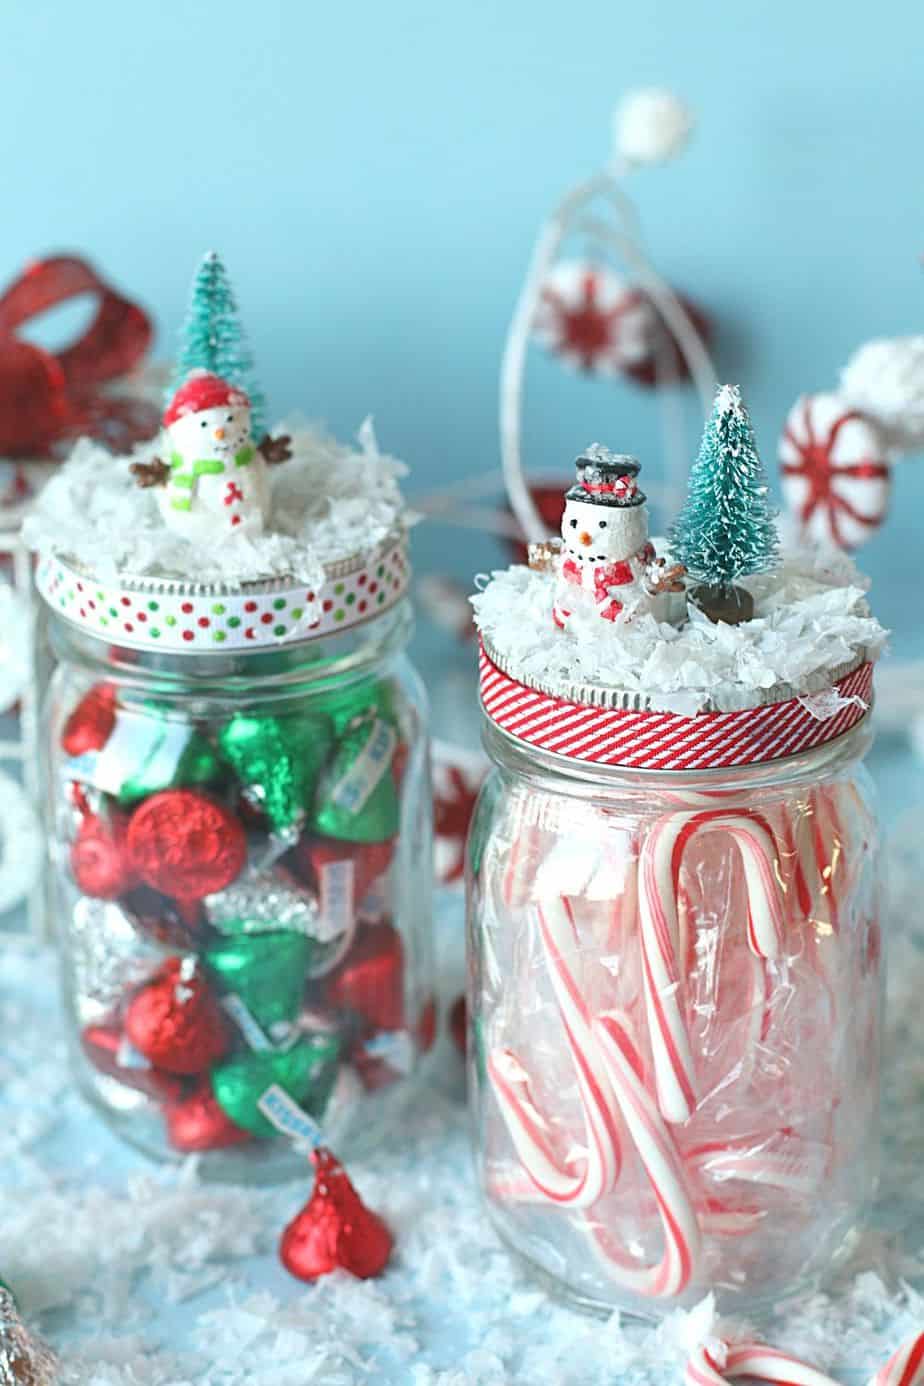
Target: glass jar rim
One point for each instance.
(563, 774)
(297, 666)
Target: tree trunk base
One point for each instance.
(730, 605)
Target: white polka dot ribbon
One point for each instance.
(160, 614)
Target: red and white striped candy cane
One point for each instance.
(905, 1367)
(782, 1162)
(659, 885)
(717, 1363)
(670, 1275)
(527, 1127)
(519, 869)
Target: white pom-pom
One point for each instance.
(885, 379)
(651, 125)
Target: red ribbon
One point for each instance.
(48, 398)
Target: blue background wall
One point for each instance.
(374, 174)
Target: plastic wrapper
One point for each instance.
(675, 1011)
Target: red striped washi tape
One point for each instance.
(648, 740)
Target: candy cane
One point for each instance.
(518, 878)
(717, 1363)
(527, 1127)
(682, 1236)
(659, 872)
(787, 1163)
(905, 1367)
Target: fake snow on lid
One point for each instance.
(178, 616)
(812, 625)
(329, 504)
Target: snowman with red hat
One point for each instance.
(608, 563)
(215, 482)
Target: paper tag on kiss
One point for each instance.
(394, 1047)
(288, 1117)
(138, 746)
(354, 789)
(335, 896)
(127, 1056)
(249, 1027)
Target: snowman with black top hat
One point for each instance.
(607, 561)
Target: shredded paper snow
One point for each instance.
(812, 621)
(329, 502)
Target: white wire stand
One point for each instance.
(615, 230)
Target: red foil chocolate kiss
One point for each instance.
(90, 725)
(48, 397)
(335, 1230)
(370, 980)
(196, 1122)
(185, 844)
(104, 1046)
(175, 1020)
(100, 860)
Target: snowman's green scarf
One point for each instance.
(185, 480)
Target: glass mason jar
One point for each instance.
(675, 1007)
(242, 847)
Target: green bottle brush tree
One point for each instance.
(726, 530)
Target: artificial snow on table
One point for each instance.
(811, 623)
(328, 502)
(145, 1276)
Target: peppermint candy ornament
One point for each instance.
(835, 471)
(589, 317)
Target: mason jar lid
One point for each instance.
(179, 615)
(609, 726)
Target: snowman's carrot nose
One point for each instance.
(219, 433)
(585, 538)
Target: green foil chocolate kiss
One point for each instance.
(267, 971)
(344, 703)
(357, 798)
(280, 759)
(306, 1072)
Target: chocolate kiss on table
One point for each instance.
(335, 1230)
(175, 1020)
(357, 799)
(278, 760)
(307, 1072)
(196, 1122)
(267, 971)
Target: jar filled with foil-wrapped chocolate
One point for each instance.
(242, 844)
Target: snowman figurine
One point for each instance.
(607, 562)
(215, 482)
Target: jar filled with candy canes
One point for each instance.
(674, 946)
(238, 770)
